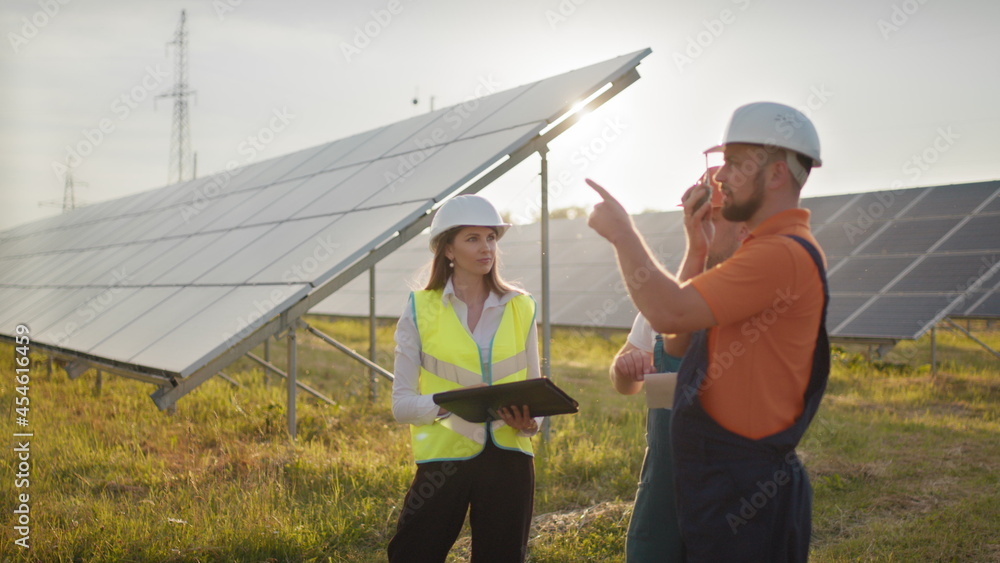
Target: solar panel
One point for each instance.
(896, 317)
(177, 282)
(893, 265)
(910, 236)
(868, 274)
(983, 303)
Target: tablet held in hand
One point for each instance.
(480, 404)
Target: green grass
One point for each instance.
(905, 465)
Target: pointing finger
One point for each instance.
(600, 190)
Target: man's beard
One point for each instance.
(745, 211)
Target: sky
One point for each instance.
(902, 92)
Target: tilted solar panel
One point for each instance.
(173, 281)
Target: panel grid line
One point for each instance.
(906, 271)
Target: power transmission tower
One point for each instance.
(69, 201)
(69, 194)
(180, 134)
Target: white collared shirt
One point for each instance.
(408, 405)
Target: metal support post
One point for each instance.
(546, 301)
(292, 358)
(99, 383)
(933, 351)
(267, 358)
(372, 354)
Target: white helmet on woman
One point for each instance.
(466, 211)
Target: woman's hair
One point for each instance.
(441, 271)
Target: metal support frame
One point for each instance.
(292, 373)
(546, 293)
(75, 369)
(968, 334)
(75, 366)
(934, 351)
(365, 361)
(267, 358)
(372, 352)
(229, 380)
(167, 395)
(284, 375)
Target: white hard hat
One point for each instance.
(771, 124)
(466, 211)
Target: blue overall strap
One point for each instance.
(662, 361)
(821, 354)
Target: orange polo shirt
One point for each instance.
(768, 301)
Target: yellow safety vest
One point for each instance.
(451, 359)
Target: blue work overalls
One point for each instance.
(740, 499)
(653, 534)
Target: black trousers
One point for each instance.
(499, 487)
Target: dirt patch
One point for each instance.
(554, 524)
(559, 523)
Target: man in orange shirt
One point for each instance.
(751, 383)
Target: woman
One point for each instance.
(467, 328)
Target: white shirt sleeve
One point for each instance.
(642, 335)
(408, 405)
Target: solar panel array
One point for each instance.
(899, 260)
(164, 281)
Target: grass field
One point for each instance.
(905, 465)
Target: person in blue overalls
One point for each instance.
(653, 533)
(753, 376)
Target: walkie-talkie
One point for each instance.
(704, 182)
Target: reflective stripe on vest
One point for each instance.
(451, 359)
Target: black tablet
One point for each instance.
(481, 404)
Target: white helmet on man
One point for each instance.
(466, 211)
(771, 124)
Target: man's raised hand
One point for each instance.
(608, 218)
